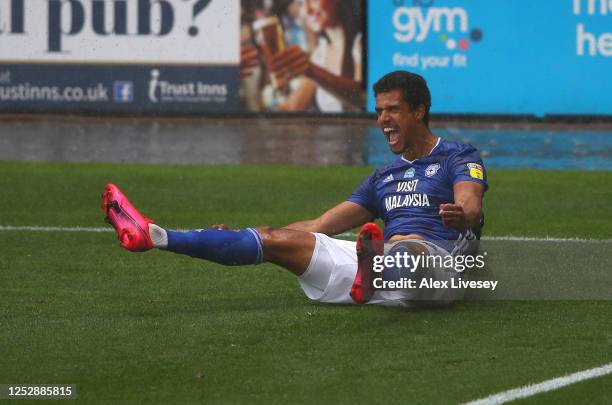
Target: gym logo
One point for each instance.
(123, 92)
(409, 173)
(423, 19)
(432, 170)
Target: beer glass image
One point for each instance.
(270, 38)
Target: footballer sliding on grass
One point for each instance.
(430, 200)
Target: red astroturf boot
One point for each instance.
(370, 243)
(132, 228)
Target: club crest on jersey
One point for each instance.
(388, 178)
(432, 170)
(409, 173)
(476, 171)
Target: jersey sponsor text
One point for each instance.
(408, 200)
(407, 186)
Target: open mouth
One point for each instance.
(392, 135)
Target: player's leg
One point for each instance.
(288, 248)
(418, 267)
(342, 272)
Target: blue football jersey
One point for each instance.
(407, 195)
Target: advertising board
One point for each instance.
(119, 56)
(500, 56)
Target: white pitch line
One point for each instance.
(54, 229)
(545, 239)
(546, 386)
(342, 235)
(516, 238)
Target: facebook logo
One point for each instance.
(123, 92)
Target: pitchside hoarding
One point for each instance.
(119, 55)
(499, 56)
(148, 56)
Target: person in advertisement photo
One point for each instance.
(311, 51)
(429, 199)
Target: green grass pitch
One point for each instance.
(162, 328)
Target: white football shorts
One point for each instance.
(333, 266)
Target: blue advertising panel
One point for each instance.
(498, 56)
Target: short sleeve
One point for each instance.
(365, 194)
(466, 165)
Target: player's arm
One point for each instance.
(344, 216)
(466, 212)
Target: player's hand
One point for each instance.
(221, 227)
(290, 62)
(249, 58)
(453, 216)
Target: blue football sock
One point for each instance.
(231, 248)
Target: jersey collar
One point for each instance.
(430, 152)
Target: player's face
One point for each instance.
(320, 14)
(396, 119)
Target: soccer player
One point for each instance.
(430, 200)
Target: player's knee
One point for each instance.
(277, 239)
(269, 235)
(275, 242)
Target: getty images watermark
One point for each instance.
(516, 269)
(404, 270)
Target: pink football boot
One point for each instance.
(370, 243)
(132, 228)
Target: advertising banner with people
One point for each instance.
(303, 56)
(307, 56)
(498, 57)
(119, 55)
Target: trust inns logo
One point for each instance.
(185, 91)
(153, 83)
